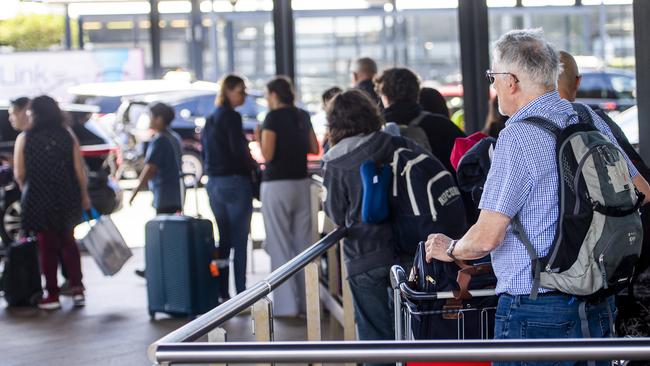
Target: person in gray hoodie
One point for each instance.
(355, 133)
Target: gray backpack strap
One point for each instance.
(546, 125)
(415, 122)
(583, 113)
(518, 230)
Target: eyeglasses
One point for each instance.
(490, 75)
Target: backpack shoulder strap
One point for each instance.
(584, 116)
(546, 125)
(518, 229)
(415, 122)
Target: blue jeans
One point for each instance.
(373, 308)
(550, 316)
(231, 200)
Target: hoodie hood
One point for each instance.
(345, 146)
(402, 113)
(350, 152)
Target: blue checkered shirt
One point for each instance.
(523, 181)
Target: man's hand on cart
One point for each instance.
(436, 248)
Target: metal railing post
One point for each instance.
(349, 324)
(316, 203)
(217, 335)
(262, 319)
(312, 284)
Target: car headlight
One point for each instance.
(200, 122)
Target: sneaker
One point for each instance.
(79, 300)
(78, 297)
(66, 289)
(49, 303)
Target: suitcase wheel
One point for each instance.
(152, 315)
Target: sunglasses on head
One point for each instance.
(490, 75)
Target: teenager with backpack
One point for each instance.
(524, 221)
(399, 89)
(369, 248)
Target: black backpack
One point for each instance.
(424, 200)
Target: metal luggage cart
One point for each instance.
(407, 301)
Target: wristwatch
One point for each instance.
(450, 249)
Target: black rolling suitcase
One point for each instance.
(22, 276)
(179, 252)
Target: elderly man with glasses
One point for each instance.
(523, 183)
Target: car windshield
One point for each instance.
(592, 86)
(105, 104)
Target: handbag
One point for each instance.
(105, 243)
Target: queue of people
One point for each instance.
(517, 213)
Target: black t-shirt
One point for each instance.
(292, 127)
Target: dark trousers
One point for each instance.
(231, 200)
(52, 246)
(373, 310)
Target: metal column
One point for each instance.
(80, 33)
(196, 39)
(154, 39)
(68, 29)
(214, 43)
(474, 55)
(229, 32)
(642, 52)
(285, 62)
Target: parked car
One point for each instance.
(608, 90)
(101, 158)
(192, 108)
(629, 123)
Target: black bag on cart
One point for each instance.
(458, 315)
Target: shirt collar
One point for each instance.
(540, 106)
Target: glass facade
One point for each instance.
(413, 34)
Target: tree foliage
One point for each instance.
(28, 32)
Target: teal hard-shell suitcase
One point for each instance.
(178, 253)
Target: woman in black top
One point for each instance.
(229, 166)
(49, 170)
(286, 137)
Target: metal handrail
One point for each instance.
(214, 318)
(401, 351)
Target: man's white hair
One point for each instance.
(528, 55)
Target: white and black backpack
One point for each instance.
(599, 234)
(424, 200)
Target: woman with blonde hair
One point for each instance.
(229, 167)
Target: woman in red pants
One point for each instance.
(49, 169)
